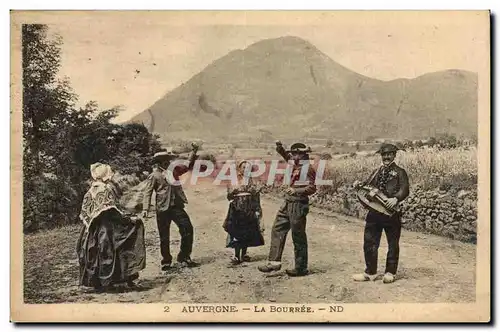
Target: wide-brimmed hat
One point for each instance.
(168, 154)
(299, 147)
(388, 148)
(101, 172)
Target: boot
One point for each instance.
(364, 277)
(388, 278)
(297, 273)
(188, 262)
(235, 260)
(270, 266)
(166, 267)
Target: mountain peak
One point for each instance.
(290, 88)
(282, 42)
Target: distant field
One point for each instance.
(263, 148)
(429, 168)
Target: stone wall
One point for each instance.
(450, 213)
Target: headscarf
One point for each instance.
(239, 170)
(101, 172)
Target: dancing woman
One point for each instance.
(111, 246)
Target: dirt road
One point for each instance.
(432, 268)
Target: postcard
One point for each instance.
(250, 166)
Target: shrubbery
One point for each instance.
(62, 141)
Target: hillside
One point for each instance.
(286, 87)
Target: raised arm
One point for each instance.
(281, 150)
(182, 169)
(193, 156)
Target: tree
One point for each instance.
(44, 95)
(447, 140)
(61, 141)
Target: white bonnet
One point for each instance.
(101, 172)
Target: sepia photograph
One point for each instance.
(250, 166)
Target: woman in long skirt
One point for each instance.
(243, 220)
(111, 247)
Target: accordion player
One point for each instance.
(386, 187)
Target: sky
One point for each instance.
(133, 59)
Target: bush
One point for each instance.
(208, 156)
(49, 203)
(68, 153)
(447, 141)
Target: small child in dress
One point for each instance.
(243, 220)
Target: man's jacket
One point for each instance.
(393, 181)
(157, 181)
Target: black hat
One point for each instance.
(299, 147)
(388, 148)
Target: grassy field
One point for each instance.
(428, 168)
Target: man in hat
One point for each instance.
(292, 214)
(170, 202)
(392, 180)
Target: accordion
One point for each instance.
(375, 200)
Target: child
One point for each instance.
(243, 220)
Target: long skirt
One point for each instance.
(243, 229)
(111, 251)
